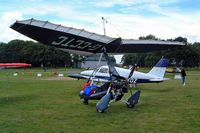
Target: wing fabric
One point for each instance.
(129, 45)
(84, 42)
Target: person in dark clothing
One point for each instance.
(183, 75)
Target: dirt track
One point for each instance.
(58, 78)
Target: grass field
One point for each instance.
(29, 104)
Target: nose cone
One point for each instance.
(87, 72)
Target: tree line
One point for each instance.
(34, 53)
(38, 54)
(187, 56)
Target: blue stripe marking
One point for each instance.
(146, 81)
(162, 63)
(138, 80)
(108, 78)
(102, 77)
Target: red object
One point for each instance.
(86, 84)
(92, 91)
(14, 64)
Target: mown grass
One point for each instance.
(29, 104)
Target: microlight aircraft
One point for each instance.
(82, 42)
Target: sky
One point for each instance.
(128, 19)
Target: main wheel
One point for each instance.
(99, 111)
(85, 101)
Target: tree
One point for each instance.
(34, 53)
(112, 59)
(2, 52)
(187, 55)
(148, 37)
(37, 54)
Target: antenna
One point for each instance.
(103, 21)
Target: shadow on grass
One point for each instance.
(16, 99)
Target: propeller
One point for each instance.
(129, 80)
(132, 70)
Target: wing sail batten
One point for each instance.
(70, 30)
(61, 36)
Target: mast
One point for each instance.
(104, 28)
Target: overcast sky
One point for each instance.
(126, 18)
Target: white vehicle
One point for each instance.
(156, 74)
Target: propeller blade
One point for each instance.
(103, 103)
(131, 73)
(134, 67)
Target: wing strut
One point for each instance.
(94, 72)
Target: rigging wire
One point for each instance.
(98, 23)
(90, 25)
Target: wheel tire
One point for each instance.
(85, 101)
(99, 111)
(130, 105)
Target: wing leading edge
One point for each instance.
(84, 42)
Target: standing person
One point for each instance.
(183, 75)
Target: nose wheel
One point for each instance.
(85, 101)
(129, 105)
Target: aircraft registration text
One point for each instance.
(75, 44)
